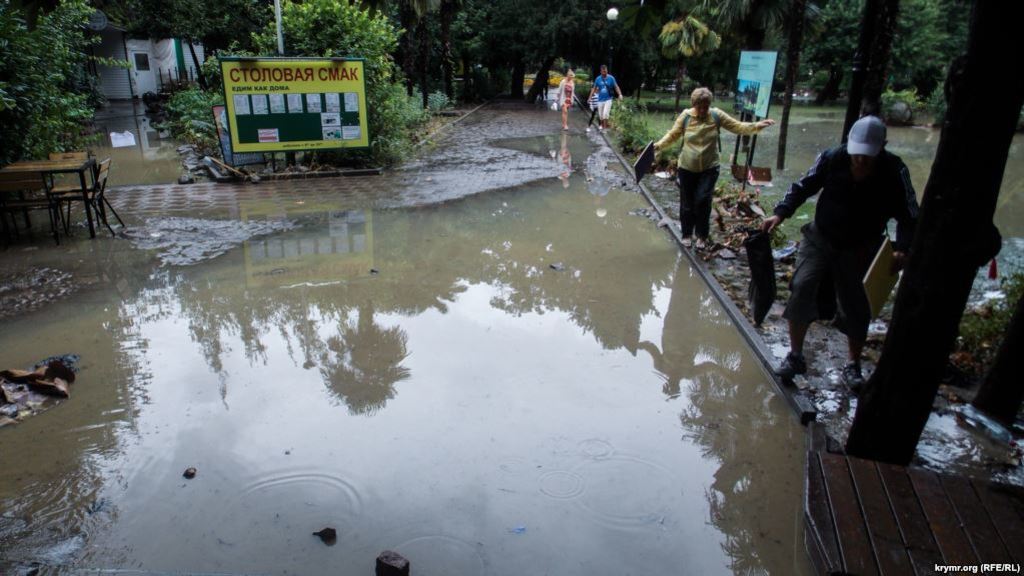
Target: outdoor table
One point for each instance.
(49, 168)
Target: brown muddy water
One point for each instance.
(523, 381)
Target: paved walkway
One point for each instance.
(476, 154)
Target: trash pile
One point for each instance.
(737, 215)
(24, 393)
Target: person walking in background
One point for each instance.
(862, 187)
(699, 127)
(605, 87)
(566, 89)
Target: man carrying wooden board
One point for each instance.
(862, 187)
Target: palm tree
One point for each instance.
(686, 37)
(751, 18)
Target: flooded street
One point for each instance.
(483, 361)
(152, 159)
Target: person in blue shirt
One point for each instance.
(604, 85)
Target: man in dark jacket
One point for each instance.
(862, 187)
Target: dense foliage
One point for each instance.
(982, 329)
(44, 100)
(191, 119)
(328, 28)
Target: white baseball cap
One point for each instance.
(867, 136)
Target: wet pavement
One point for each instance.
(482, 360)
(950, 442)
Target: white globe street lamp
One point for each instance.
(613, 14)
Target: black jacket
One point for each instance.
(853, 214)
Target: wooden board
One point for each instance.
(644, 162)
(976, 522)
(858, 557)
(917, 537)
(879, 279)
(818, 516)
(882, 528)
(1007, 514)
(942, 519)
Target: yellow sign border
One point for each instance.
(293, 76)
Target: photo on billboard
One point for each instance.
(754, 82)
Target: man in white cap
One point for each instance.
(862, 187)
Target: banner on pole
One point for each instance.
(292, 104)
(756, 74)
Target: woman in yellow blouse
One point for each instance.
(698, 160)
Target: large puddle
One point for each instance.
(524, 381)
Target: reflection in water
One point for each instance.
(498, 414)
(363, 363)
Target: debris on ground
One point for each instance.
(185, 241)
(29, 290)
(24, 393)
(328, 536)
(190, 472)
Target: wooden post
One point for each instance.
(955, 236)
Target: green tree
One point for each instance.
(325, 28)
(43, 102)
(830, 47)
(752, 19)
(686, 37)
(926, 41)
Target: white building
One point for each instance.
(153, 64)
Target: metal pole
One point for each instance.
(280, 37)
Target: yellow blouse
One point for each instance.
(700, 143)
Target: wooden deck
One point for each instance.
(864, 517)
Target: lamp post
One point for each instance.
(277, 18)
(613, 15)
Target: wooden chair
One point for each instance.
(96, 197)
(22, 192)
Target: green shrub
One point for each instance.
(937, 105)
(633, 126)
(327, 28)
(437, 101)
(44, 101)
(894, 104)
(190, 118)
(981, 331)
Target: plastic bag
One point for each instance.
(762, 274)
(554, 105)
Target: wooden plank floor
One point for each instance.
(869, 518)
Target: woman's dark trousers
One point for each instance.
(695, 192)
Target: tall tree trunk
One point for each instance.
(680, 74)
(424, 57)
(860, 63)
(199, 69)
(537, 90)
(796, 38)
(1002, 391)
(881, 49)
(831, 89)
(518, 74)
(447, 15)
(960, 195)
(407, 48)
(468, 89)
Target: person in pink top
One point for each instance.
(565, 94)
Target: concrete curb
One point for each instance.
(805, 411)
